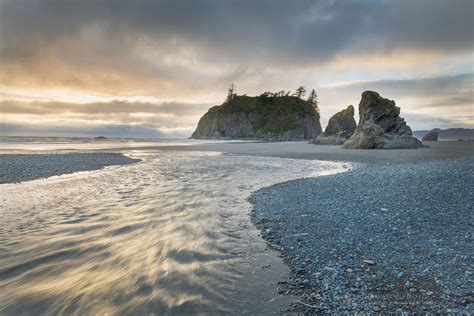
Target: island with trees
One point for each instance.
(275, 116)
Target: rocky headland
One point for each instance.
(264, 117)
(340, 127)
(380, 126)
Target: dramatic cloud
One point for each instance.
(111, 130)
(164, 119)
(186, 52)
(425, 102)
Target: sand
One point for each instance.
(304, 150)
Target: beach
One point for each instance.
(26, 167)
(381, 239)
(343, 230)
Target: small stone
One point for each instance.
(384, 209)
(413, 290)
(429, 293)
(376, 308)
(349, 270)
(400, 275)
(369, 262)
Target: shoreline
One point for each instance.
(305, 150)
(372, 259)
(369, 162)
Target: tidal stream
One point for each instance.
(168, 235)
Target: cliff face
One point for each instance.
(269, 118)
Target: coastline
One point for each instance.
(368, 165)
(304, 150)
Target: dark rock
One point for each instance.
(432, 136)
(341, 126)
(380, 125)
(267, 118)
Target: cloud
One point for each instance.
(112, 107)
(175, 48)
(171, 119)
(426, 103)
(430, 102)
(66, 55)
(111, 130)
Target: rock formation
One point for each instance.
(263, 117)
(341, 126)
(432, 136)
(380, 125)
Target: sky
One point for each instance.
(143, 68)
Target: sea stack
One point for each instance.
(432, 136)
(340, 127)
(272, 118)
(380, 126)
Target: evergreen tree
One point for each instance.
(231, 93)
(279, 93)
(300, 92)
(313, 100)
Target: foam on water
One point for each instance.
(170, 234)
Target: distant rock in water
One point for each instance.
(341, 126)
(100, 138)
(432, 136)
(263, 117)
(380, 125)
(448, 134)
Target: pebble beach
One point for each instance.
(392, 238)
(26, 167)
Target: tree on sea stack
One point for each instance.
(231, 93)
(313, 100)
(300, 92)
(272, 116)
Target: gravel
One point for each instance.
(394, 238)
(25, 167)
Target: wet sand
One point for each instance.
(304, 150)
